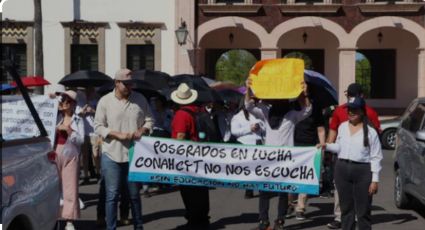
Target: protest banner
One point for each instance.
(267, 168)
(17, 120)
(277, 78)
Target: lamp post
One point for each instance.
(181, 33)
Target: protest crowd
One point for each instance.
(97, 130)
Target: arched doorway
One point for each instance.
(306, 43)
(393, 58)
(234, 65)
(217, 42)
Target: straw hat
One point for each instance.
(71, 94)
(184, 95)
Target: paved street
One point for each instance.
(229, 210)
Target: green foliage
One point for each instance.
(234, 66)
(363, 75)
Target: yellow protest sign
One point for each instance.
(277, 78)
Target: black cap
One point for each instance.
(354, 90)
(356, 103)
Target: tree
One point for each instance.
(363, 75)
(38, 44)
(234, 66)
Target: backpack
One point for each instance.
(205, 127)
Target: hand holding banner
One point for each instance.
(267, 168)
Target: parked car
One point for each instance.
(409, 156)
(30, 181)
(388, 134)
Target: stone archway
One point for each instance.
(234, 22)
(406, 39)
(305, 22)
(306, 35)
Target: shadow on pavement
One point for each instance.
(324, 209)
(400, 218)
(163, 214)
(79, 224)
(243, 218)
(89, 199)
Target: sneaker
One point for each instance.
(263, 225)
(334, 225)
(69, 226)
(82, 206)
(300, 216)
(278, 225)
(125, 221)
(290, 212)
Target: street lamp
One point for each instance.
(380, 36)
(181, 33)
(305, 36)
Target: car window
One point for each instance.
(416, 119)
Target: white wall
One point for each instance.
(110, 11)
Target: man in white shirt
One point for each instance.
(121, 117)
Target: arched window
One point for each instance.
(234, 66)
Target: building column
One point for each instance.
(269, 53)
(347, 71)
(421, 73)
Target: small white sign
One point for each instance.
(17, 120)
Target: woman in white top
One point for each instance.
(358, 166)
(69, 137)
(246, 128)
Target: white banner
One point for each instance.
(267, 168)
(17, 121)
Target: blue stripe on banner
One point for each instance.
(195, 181)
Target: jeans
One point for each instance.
(124, 200)
(264, 203)
(114, 174)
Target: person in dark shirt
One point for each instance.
(307, 132)
(183, 127)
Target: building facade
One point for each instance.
(337, 36)
(102, 35)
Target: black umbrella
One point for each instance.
(321, 90)
(157, 79)
(85, 78)
(230, 96)
(193, 81)
(140, 86)
(205, 93)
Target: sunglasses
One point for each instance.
(65, 99)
